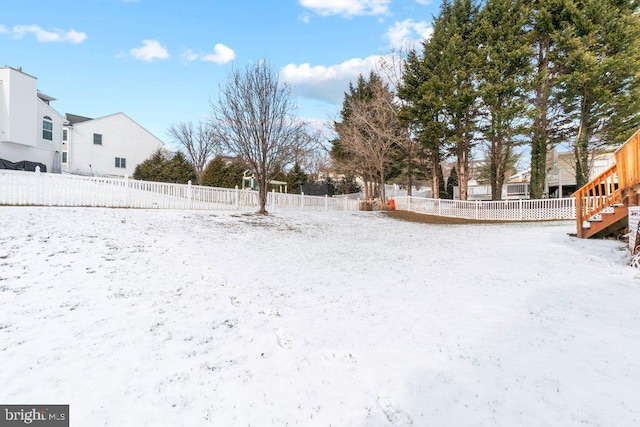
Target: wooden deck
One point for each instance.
(601, 205)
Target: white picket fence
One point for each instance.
(47, 189)
(505, 210)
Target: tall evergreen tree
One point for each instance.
(502, 82)
(441, 88)
(547, 20)
(460, 61)
(601, 51)
(452, 181)
(368, 134)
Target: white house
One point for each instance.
(30, 129)
(109, 145)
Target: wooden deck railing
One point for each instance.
(598, 194)
(628, 161)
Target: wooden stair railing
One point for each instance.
(597, 195)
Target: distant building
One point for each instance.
(30, 129)
(561, 170)
(109, 145)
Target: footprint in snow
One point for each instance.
(341, 356)
(206, 273)
(396, 416)
(283, 341)
(235, 301)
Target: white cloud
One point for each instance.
(407, 34)
(44, 36)
(221, 55)
(189, 55)
(305, 17)
(327, 84)
(347, 8)
(424, 2)
(3, 29)
(151, 50)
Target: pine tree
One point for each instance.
(452, 181)
(369, 134)
(215, 174)
(235, 172)
(547, 20)
(296, 178)
(502, 82)
(601, 52)
(151, 169)
(441, 88)
(179, 170)
(442, 185)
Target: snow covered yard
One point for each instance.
(137, 317)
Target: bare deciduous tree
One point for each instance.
(370, 134)
(254, 118)
(198, 142)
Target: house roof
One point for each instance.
(73, 119)
(45, 97)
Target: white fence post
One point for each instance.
(190, 194)
(273, 199)
(326, 202)
(302, 200)
(127, 187)
(521, 213)
(39, 187)
(237, 196)
(477, 203)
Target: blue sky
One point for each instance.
(161, 62)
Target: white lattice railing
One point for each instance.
(45, 189)
(634, 223)
(505, 210)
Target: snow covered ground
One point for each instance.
(137, 317)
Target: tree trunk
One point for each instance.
(436, 169)
(262, 196)
(540, 132)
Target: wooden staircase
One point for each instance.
(601, 205)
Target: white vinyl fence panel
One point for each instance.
(634, 225)
(45, 189)
(505, 210)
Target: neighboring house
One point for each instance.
(109, 145)
(561, 172)
(30, 129)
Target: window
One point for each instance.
(97, 138)
(47, 128)
(64, 134)
(121, 162)
(64, 157)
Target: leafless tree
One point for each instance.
(370, 134)
(391, 67)
(254, 118)
(198, 141)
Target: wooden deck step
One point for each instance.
(606, 222)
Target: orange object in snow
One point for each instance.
(391, 204)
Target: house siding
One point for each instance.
(21, 115)
(121, 137)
